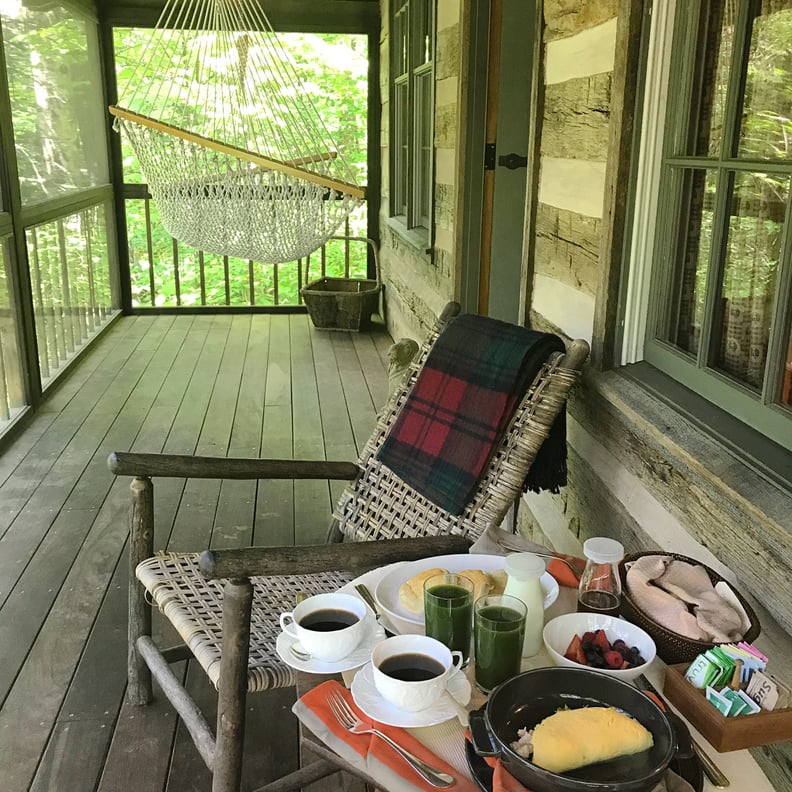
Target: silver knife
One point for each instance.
(368, 598)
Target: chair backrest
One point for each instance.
(379, 505)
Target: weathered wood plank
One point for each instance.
(355, 389)
(275, 501)
(236, 504)
(75, 754)
(312, 504)
(32, 705)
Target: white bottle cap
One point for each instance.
(602, 550)
(524, 566)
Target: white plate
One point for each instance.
(387, 589)
(367, 697)
(359, 657)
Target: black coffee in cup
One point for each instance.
(411, 667)
(328, 620)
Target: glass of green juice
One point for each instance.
(448, 611)
(498, 631)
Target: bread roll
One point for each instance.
(411, 591)
(482, 583)
(572, 738)
(498, 579)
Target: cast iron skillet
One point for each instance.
(685, 763)
(528, 698)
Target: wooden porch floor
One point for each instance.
(261, 385)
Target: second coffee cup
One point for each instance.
(411, 671)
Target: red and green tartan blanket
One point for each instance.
(453, 419)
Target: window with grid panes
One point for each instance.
(411, 123)
(720, 300)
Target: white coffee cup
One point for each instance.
(328, 626)
(413, 656)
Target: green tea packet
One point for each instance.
(724, 663)
(719, 701)
(738, 704)
(701, 672)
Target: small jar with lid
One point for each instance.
(600, 584)
(524, 572)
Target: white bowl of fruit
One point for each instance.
(606, 644)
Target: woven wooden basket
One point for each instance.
(673, 647)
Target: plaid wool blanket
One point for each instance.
(474, 376)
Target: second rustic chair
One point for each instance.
(225, 604)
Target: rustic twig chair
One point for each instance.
(225, 603)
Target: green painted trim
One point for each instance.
(46, 211)
(763, 454)
(716, 387)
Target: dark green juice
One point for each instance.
(499, 639)
(448, 612)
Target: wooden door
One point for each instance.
(499, 91)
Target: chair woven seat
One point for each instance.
(194, 606)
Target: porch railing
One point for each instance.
(70, 282)
(167, 274)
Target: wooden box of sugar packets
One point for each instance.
(724, 734)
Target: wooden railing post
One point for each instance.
(141, 547)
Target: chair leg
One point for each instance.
(232, 686)
(141, 547)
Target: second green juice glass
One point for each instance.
(498, 630)
(448, 611)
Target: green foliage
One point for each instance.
(333, 69)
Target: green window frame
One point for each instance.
(719, 308)
(412, 113)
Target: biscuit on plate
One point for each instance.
(411, 591)
(482, 583)
(498, 578)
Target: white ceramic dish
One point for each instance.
(387, 589)
(369, 700)
(360, 656)
(560, 631)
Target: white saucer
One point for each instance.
(369, 700)
(361, 655)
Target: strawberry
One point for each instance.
(601, 640)
(573, 649)
(588, 637)
(614, 659)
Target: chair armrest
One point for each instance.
(351, 556)
(184, 466)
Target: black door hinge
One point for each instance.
(489, 156)
(513, 161)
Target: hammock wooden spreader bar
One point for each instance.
(242, 154)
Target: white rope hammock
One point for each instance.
(236, 157)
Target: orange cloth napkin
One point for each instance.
(369, 746)
(502, 779)
(563, 574)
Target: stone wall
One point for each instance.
(639, 471)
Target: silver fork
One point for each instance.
(347, 718)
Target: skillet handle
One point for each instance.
(479, 734)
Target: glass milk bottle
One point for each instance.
(600, 585)
(524, 571)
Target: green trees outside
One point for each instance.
(333, 70)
